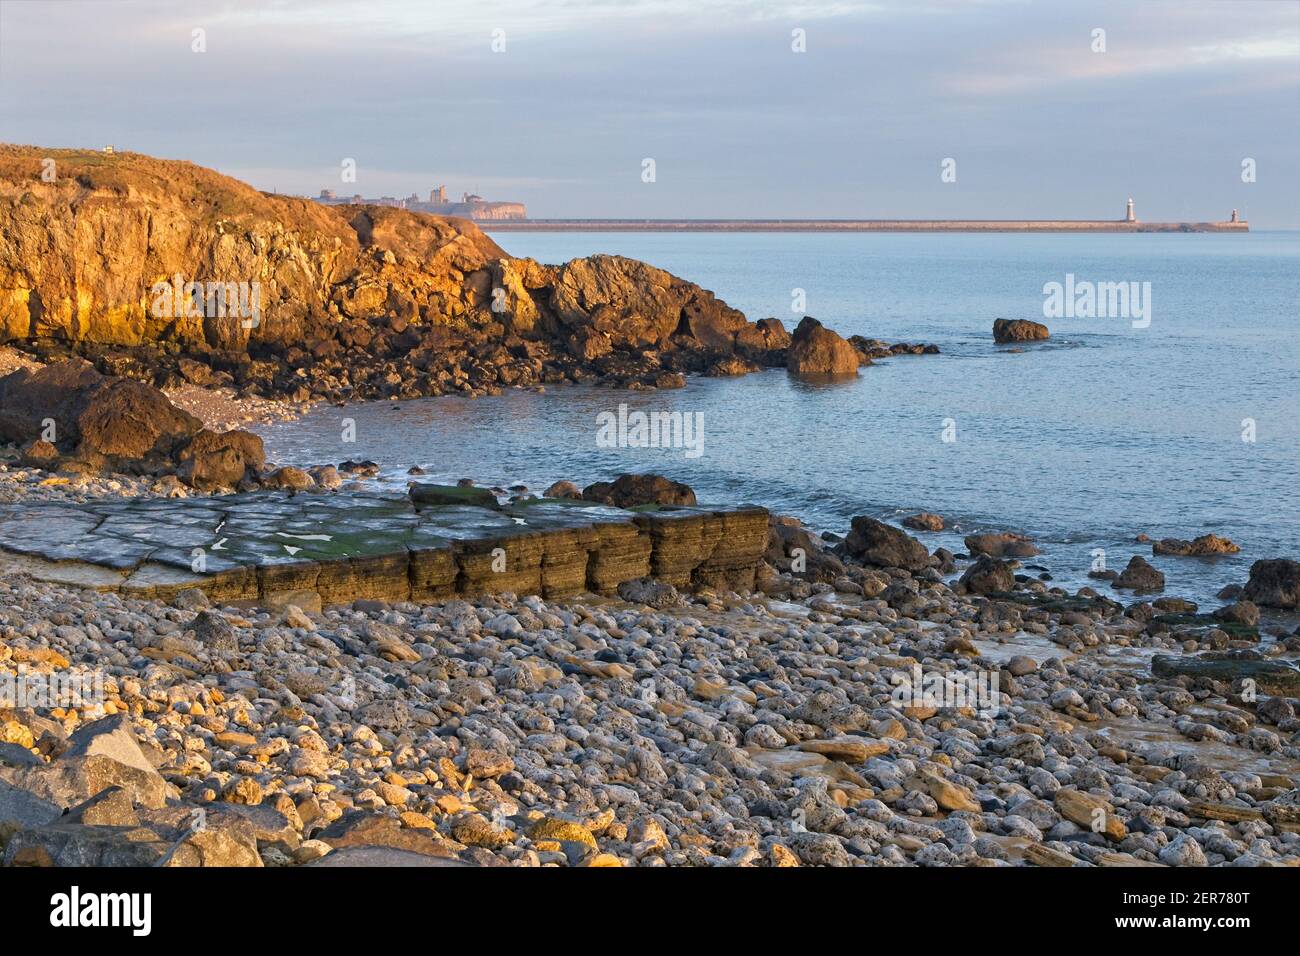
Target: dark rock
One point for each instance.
(1243, 612)
(430, 494)
(874, 542)
(212, 460)
(632, 491)
(989, 575)
(1274, 583)
(212, 630)
(1140, 576)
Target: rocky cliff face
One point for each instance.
(100, 254)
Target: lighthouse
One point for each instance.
(1128, 212)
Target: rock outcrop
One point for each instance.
(1018, 330)
(169, 272)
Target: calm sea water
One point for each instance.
(1103, 432)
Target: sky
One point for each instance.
(559, 103)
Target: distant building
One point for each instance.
(471, 205)
(1128, 213)
(1234, 217)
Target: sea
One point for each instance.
(1176, 416)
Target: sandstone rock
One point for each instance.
(815, 351)
(1206, 544)
(1018, 330)
(1090, 812)
(876, 543)
(1242, 612)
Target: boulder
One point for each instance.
(563, 489)
(123, 419)
(632, 491)
(989, 575)
(1274, 583)
(1206, 544)
(1005, 545)
(816, 351)
(876, 543)
(1018, 330)
(212, 460)
(1140, 577)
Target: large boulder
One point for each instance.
(815, 350)
(1275, 583)
(631, 491)
(212, 460)
(1018, 330)
(989, 575)
(876, 543)
(124, 419)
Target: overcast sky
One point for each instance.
(739, 125)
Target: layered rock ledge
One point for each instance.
(276, 545)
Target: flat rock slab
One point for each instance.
(382, 546)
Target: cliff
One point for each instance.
(346, 300)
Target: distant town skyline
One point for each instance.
(842, 109)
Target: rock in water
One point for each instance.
(816, 350)
(885, 546)
(1018, 330)
(1140, 576)
(1274, 583)
(1206, 544)
(1006, 545)
(925, 521)
(631, 491)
